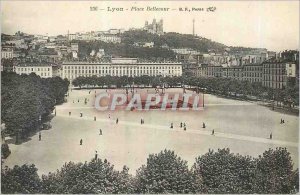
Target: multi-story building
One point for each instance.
(7, 52)
(115, 31)
(18, 43)
(291, 70)
(276, 72)
(119, 67)
(74, 47)
(42, 69)
(233, 72)
(253, 73)
(205, 70)
(72, 37)
(109, 38)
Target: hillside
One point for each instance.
(173, 40)
(158, 53)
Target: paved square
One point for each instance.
(244, 127)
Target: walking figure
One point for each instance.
(184, 126)
(80, 141)
(117, 121)
(94, 118)
(271, 136)
(171, 125)
(89, 92)
(141, 121)
(78, 100)
(69, 113)
(280, 121)
(100, 132)
(73, 101)
(203, 125)
(109, 115)
(40, 136)
(180, 124)
(96, 155)
(80, 114)
(213, 132)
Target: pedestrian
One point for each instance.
(203, 125)
(213, 132)
(180, 124)
(81, 114)
(73, 101)
(94, 118)
(271, 136)
(117, 121)
(96, 155)
(89, 92)
(109, 115)
(80, 142)
(78, 100)
(184, 126)
(171, 125)
(100, 132)
(280, 121)
(69, 113)
(55, 112)
(40, 136)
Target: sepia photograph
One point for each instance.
(149, 97)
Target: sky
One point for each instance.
(265, 24)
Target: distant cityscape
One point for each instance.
(50, 56)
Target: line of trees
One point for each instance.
(165, 172)
(220, 86)
(27, 99)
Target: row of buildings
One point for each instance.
(116, 67)
(273, 73)
(110, 36)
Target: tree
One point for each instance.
(223, 172)
(275, 172)
(96, 176)
(20, 180)
(166, 173)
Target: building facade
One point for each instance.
(205, 70)
(7, 52)
(44, 70)
(233, 72)
(253, 73)
(119, 67)
(274, 74)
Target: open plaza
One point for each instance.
(242, 126)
